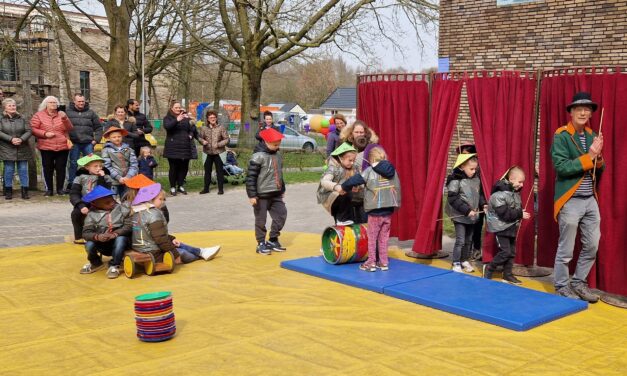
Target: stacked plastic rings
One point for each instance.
(154, 317)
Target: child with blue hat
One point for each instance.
(107, 230)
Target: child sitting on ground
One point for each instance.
(339, 169)
(133, 185)
(150, 230)
(146, 162)
(465, 198)
(231, 163)
(382, 196)
(119, 159)
(91, 173)
(107, 230)
(265, 188)
(504, 214)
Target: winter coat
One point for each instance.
(333, 141)
(179, 138)
(504, 209)
(383, 188)
(335, 174)
(131, 128)
(43, 122)
(120, 161)
(265, 174)
(150, 231)
(464, 195)
(86, 125)
(142, 123)
(216, 137)
(97, 221)
(571, 164)
(147, 165)
(10, 128)
(85, 183)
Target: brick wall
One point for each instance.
(544, 34)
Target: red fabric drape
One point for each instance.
(502, 116)
(399, 111)
(609, 90)
(444, 109)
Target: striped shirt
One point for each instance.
(586, 187)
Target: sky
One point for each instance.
(412, 55)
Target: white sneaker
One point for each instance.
(467, 267)
(344, 223)
(210, 252)
(457, 267)
(113, 272)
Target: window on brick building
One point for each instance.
(85, 84)
(7, 67)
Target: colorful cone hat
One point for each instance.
(96, 193)
(462, 158)
(147, 193)
(344, 148)
(82, 162)
(139, 181)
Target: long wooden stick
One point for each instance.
(594, 169)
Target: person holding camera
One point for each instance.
(51, 127)
(178, 146)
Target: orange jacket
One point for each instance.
(43, 122)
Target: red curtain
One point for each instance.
(399, 111)
(502, 115)
(609, 90)
(444, 110)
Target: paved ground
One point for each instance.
(46, 221)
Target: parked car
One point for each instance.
(293, 140)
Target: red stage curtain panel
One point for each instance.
(502, 116)
(399, 112)
(444, 110)
(609, 90)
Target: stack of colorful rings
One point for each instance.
(154, 317)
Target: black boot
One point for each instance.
(25, 193)
(8, 193)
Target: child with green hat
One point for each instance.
(90, 174)
(465, 202)
(340, 167)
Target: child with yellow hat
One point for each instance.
(465, 202)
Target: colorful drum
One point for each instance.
(345, 244)
(154, 317)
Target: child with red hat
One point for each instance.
(265, 188)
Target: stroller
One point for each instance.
(233, 174)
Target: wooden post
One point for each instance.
(27, 112)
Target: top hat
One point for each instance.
(582, 99)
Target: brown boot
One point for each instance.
(25, 193)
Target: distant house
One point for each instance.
(293, 108)
(342, 101)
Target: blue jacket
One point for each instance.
(147, 165)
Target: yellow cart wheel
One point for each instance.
(129, 267)
(149, 266)
(168, 260)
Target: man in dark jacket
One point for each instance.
(86, 133)
(143, 125)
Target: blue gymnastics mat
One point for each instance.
(350, 274)
(490, 301)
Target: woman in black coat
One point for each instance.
(178, 146)
(14, 149)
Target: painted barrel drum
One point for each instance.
(345, 244)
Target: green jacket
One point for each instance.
(571, 164)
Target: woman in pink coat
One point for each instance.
(51, 128)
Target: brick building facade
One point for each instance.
(528, 35)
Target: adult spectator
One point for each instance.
(333, 138)
(268, 122)
(178, 146)
(214, 139)
(141, 122)
(86, 133)
(51, 128)
(14, 150)
(575, 150)
(120, 120)
(359, 135)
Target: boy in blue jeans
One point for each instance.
(107, 231)
(265, 188)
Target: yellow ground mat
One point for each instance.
(241, 314)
